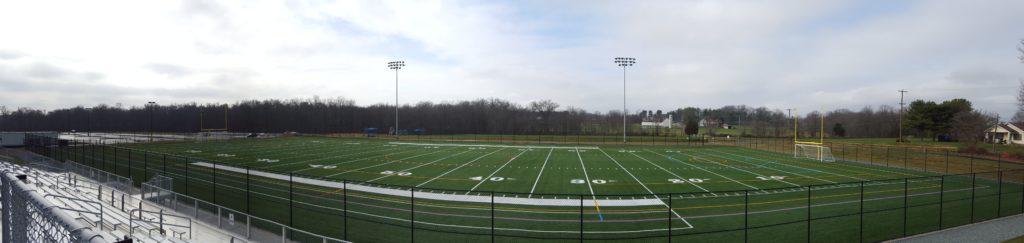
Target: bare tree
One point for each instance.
(969, 126)
(1019, 116)
(544, 108)
(1020, 49)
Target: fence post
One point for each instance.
(925, 159)
(906, 153)
(972, 163)
(492, 216)
(145, 166)
(973, 186)
(946, 171)
(999, 202)
(861, 239)
(906, 207)
(186, 176)
(886, 156)
(248, 202)
(942, 200)
(214, 185)
(581, 218)
(291, 199)
(669, 217)
(412, 214)
(746, 213)
(344, 206)
(808, 213)
(130, 165)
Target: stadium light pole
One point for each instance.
(396, 65)
(624, 62)
(152, 105)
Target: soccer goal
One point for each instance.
(811, 150)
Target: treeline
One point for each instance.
(490, 116)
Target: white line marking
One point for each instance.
(541, 171)
(418, 166)
(645, 188)
(770, 168)
(495, 172)
(705, 170)
(367, 167)
(460, 166)
(673, 174)
(731, 167)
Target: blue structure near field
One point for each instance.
(370, 132)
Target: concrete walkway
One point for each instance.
(996, 230)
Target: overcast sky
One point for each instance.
(779, 54)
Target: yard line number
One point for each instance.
(685, 180)
(389, 172)
(595, 181)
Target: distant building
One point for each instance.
(1005, 133)
(667, 123)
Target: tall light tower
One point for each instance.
(152, 105)
(624, 62)
(396, 65)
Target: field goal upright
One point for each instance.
(812, 150)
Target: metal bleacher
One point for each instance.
(113, 213)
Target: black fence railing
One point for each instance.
(863, 211)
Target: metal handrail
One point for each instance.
(99, 205)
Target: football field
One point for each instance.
(464, 191)
(531, 169)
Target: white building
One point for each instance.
(667, 123)
(1006, 133)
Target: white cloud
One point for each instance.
(690, 53)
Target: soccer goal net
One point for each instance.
(813, 151)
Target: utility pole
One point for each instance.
(900, 140)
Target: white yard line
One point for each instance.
(404, 192)
(390, 162)
(705, 170)
(770, 168)
(797, 166)
(418, 166)
(541, 172)
(325, 158)
(646, 188)
(851, 164)
(354, 160)
(488, 145)
(673, 174)
(585, 176)
(485, 179)
(749, 172)
(456, 168)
